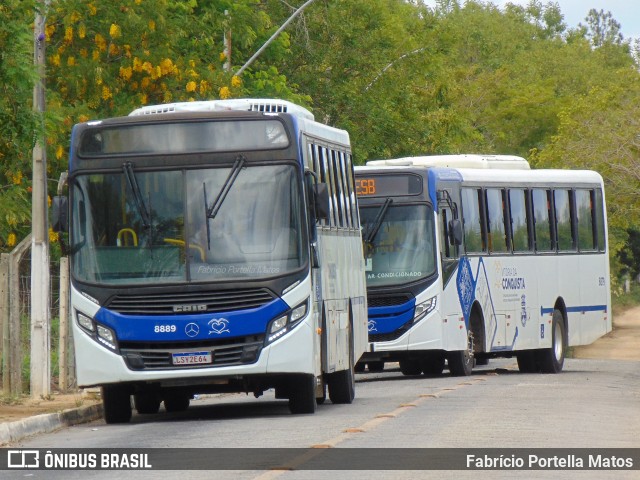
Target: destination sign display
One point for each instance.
(388, 185)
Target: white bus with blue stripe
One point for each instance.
(470, 257)
(214, 247)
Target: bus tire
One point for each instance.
(461, 361)
(376, 367)
(410, 366)
(527, 362)
(342, 384)
(432, 364)
(359, 367)
(146, 403)
(551, 360)
(176, 402)
(116, 402)
(302, 394)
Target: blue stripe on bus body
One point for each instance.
(207, 325)
(389, 319)
(578, 309)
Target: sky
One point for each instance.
(625, 12)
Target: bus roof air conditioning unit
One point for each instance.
(268, 106)
(458, 161)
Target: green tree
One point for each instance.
(17, 122)
(599, 131)
(602, 28)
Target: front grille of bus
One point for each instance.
(387, 300)
(387, 337)
(215, 301)
(225, 352)
(374, 301)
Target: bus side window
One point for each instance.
(518, 220)
(541, 220)
(495, 220)
(585, 215)
(601, 232)
(564, 230)
(474, 231)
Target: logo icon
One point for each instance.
(219, 326)
(190, 308)
(371, 326)
(192, 329)
(23, 459)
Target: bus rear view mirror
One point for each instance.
(321, 199)
(455, 232)
(59, 214)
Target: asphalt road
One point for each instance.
(593, 404)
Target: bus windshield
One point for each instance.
(135, 227)
(401, 247)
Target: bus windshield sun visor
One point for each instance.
(222, 194)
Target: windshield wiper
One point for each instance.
(222, 194)
(130, 175)
(373, 228)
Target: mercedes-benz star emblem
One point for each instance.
(192, 329)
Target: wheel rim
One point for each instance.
(468, 355)
(558, 346)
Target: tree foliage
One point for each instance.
(402, 78)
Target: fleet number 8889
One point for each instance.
(164, 328)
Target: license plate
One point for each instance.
(192, 358)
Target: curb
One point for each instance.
(48, 422)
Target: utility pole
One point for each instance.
(40, 281)
(277, 32)
(227, 42)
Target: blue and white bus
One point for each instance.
(214, 247)
(470, 257)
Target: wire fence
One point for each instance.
(16, 324)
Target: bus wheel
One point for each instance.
(432, 363)
(551, 360)
(359, 368)
(375, 367)
(342, 384)
(302, 394)
(527, 362)
(410, 366)
(176, 402)
(116, 401)
(146, 403)
(461, 361)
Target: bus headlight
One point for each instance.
(101, 334)
(107, 337)
(285, 323)
(85, 322)
(424, 308)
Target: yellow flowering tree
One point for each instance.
(108, 58)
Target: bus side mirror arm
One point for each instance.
(455, 232)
